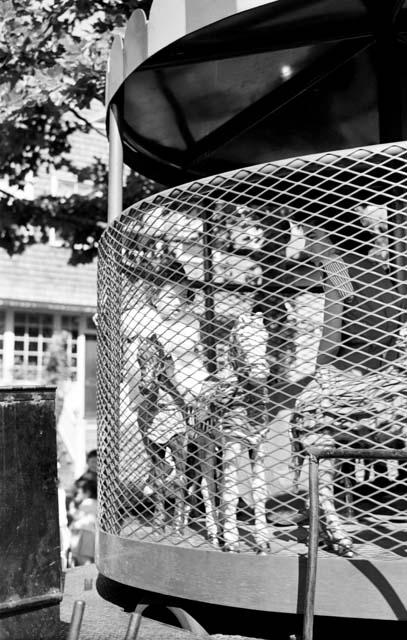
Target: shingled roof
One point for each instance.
(41, 278)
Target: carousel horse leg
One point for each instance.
(177, 445)
(160, 513)
(159, 502)
(297, 453)
(340, 540)
(160, 468)
(230, 494)
(160, 485)
(349, 470)
(147, 412)
(259, 490)
(206, 451)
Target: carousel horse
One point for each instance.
(244, 427)
(162, 424)
(169, 370)
(359, 393)
(182, 407)
(343, 409)
(229, 422)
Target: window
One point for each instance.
(70, 324)
(90, 324)
(32, 336)
(90, 376)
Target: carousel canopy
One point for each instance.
(204, 86)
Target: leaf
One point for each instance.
(52, 63)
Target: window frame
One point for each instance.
(25, 338)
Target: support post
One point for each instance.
(134, 623)
(209, 300)
(113, 286)
(311, 577)
(76, 620)
(115, 183)
(316, 454)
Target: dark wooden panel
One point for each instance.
(36, 624)
(29, 523)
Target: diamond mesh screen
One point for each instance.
(241, 319)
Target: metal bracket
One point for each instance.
(186, 621)
(315, 455)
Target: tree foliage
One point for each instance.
(52, 66)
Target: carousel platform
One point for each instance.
(275, 582)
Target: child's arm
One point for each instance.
(337, 288)
(331, 332)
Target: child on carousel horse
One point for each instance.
(180, 402)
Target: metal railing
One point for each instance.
(211, 314)
(315, 456)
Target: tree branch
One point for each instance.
(7, 193)
(80, 117)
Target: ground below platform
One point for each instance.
(105, 621)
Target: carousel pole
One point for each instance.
(389, 83)
(112, 284)
(114, 78)
(209, 300)
(115, 182)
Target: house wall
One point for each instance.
(41, 294)
(25, 339)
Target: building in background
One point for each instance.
(43, 296)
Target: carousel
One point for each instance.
(252, 336)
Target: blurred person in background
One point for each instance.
(83, 511)
(91, 470)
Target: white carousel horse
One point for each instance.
(162, 422)
(229, 422)
(175, 390)
(170, 372)
(244, 426)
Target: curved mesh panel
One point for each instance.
(241, 319)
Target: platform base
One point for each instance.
(349, 588)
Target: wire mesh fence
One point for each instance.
(241, 319)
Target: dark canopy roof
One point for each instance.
(206, 86)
